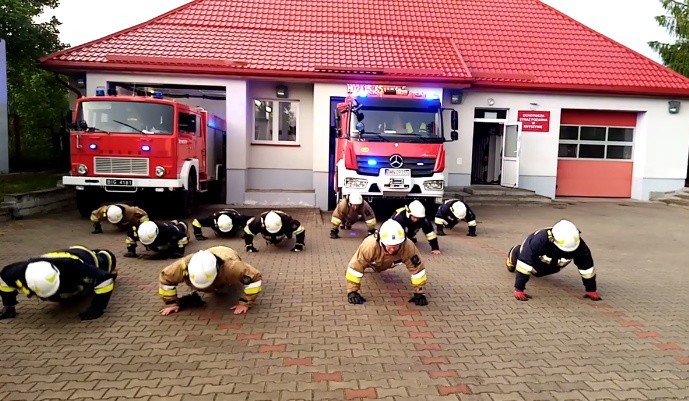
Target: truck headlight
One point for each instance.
(160, 171)
(355, 183)
(433, 185)
(82, 169)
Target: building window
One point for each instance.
(276, 122)
(588, 142)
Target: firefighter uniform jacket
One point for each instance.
(539, 256)
(403, 216)
(81, 270)
(131, 215)
(290, 227)
(238, 222)
(231, 271)
(372, 254)
(172, 237)
(445, 217)
(345, 213)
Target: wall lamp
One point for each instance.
(281, 91)
(673, 106)
(456, 97)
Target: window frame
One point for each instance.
(604, 143)
(275, 141)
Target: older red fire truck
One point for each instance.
(390, 144)
(129, 146)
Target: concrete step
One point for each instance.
(684, 194)
(280, 197)
(675, 201)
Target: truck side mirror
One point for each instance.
(338, 120)
(454, 120)
(454, 135)
(81, 125)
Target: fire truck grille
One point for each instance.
(121, 165)
(371, 165)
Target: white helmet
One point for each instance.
(114, 214)
(203, 269)
(565, 235)
(224, 223)
(459, 210)
(417, 209)
(356, 199)
(42, 278)
(148, 231)
(391, 233)
(273, 222)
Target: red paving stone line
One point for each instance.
(352, 394)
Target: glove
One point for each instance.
(298, 248)
(8, 313)
(97, 229)
(347, 226)
(192, 300)
(472, 231)
(521, 295)
(200, 237)
(440, 231)
(372, 231)
(452, 225)
(91, 314)
(130, 254)
(355, 298)
(334, 233)
(251, 249)
(419, 299)
(593, 296)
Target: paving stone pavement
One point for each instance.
(303, 341)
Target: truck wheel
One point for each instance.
(86, 202)
(189, 196)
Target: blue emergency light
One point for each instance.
(372, 162)
(100, 91)
(146, 148)
(157, 95)
(93, 146)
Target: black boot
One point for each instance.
(440, 230)
(333, 233)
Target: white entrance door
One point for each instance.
(510, 155)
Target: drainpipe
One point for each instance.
(68, 85)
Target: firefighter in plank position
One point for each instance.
(546, 252)
(209, 270)
(413, 218)
(386, 250)
(225, 223)
(350, 210)
(167, 239)
(61, 276)
(119, 214)
(274, 226)
(450, 213)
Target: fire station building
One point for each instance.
(544, 103)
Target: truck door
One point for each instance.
(186, 129)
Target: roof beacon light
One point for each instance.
(157, 95)
(100, 91)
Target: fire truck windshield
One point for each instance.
(396, 120)
(125, 117)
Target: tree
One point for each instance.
(36, 100)
(676, 22)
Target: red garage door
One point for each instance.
(595, 153)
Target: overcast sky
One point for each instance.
(617, 19)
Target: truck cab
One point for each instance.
(390, 144)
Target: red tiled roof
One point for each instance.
(485, 43)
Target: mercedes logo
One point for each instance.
(396, 161)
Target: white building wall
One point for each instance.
(661, 142)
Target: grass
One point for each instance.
(27, 182)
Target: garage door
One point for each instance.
(595, 153)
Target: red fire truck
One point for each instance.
(129, 146)
(390, 144)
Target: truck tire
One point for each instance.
(86, 203)
(188, 197)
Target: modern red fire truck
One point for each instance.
(129, 146)
(390, 144)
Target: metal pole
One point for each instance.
(4, 142)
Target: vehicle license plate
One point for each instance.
(110, 181)
(398, 172)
